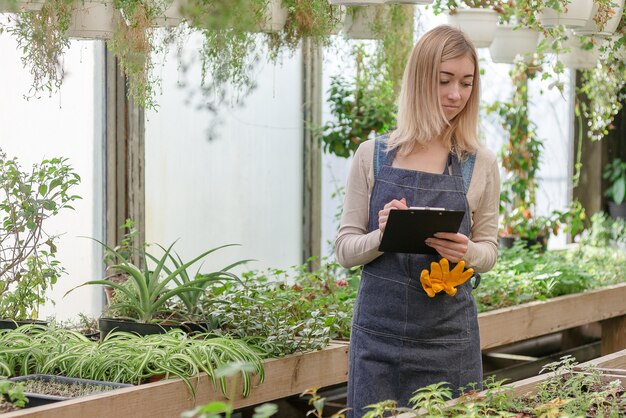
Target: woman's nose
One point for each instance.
(453, 93)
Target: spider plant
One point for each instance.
(148, 293)
(125, 357)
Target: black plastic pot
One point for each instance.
(38, 399)
(617, 211)
(509, 241)
(12, 324)
(196, 327)
(106, 325)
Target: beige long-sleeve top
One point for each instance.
(355, 246)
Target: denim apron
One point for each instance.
(401, 339)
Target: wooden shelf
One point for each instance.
(534, 319)
(294, 374)
(284, 377)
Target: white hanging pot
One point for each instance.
(509, 42)
(479, 24)
(171, 16)
(274, 17)
(355, 2)
(592, 28)
(360, 22)
(577, 57)
(419, 2)
(20, 6)
(576, 15)
(93, 20)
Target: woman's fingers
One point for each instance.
(452, 246)
(383, 214)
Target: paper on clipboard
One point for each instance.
(407, 230)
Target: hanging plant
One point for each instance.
(312, 19)
(133, 44)
(603, 87)
(41, 39)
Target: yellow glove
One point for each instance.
(441, 278)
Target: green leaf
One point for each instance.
(215, 408)
(619, 189)
(265, 410)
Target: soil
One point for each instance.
(69, 390)
(6, 406)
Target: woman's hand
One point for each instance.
(451, 245)
(383, 214)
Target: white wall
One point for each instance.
(68, 124)
(244, 186)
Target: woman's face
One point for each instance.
(456, 78)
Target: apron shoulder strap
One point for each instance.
(380, 152)
(467, 169)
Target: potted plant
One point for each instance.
(93, 19)
(605, 19)
(477, 18)
(512, 39)
(146, 292)
(20, 6)
(362, 22)
(615, 173)
(28, 265)
(313, 20)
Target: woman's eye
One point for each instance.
(443, 82)
(467, 84)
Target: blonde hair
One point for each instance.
(420, 114)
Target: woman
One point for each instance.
(403, 339)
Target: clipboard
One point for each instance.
(407, 229)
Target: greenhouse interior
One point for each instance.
(325, 208)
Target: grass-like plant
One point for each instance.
(194, 295)
(125, 357)
(148, 293)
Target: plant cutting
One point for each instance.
(146, 292)
(568, 391)
(28, 265)
(615, 174)
(12, 396)
(42, 389)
